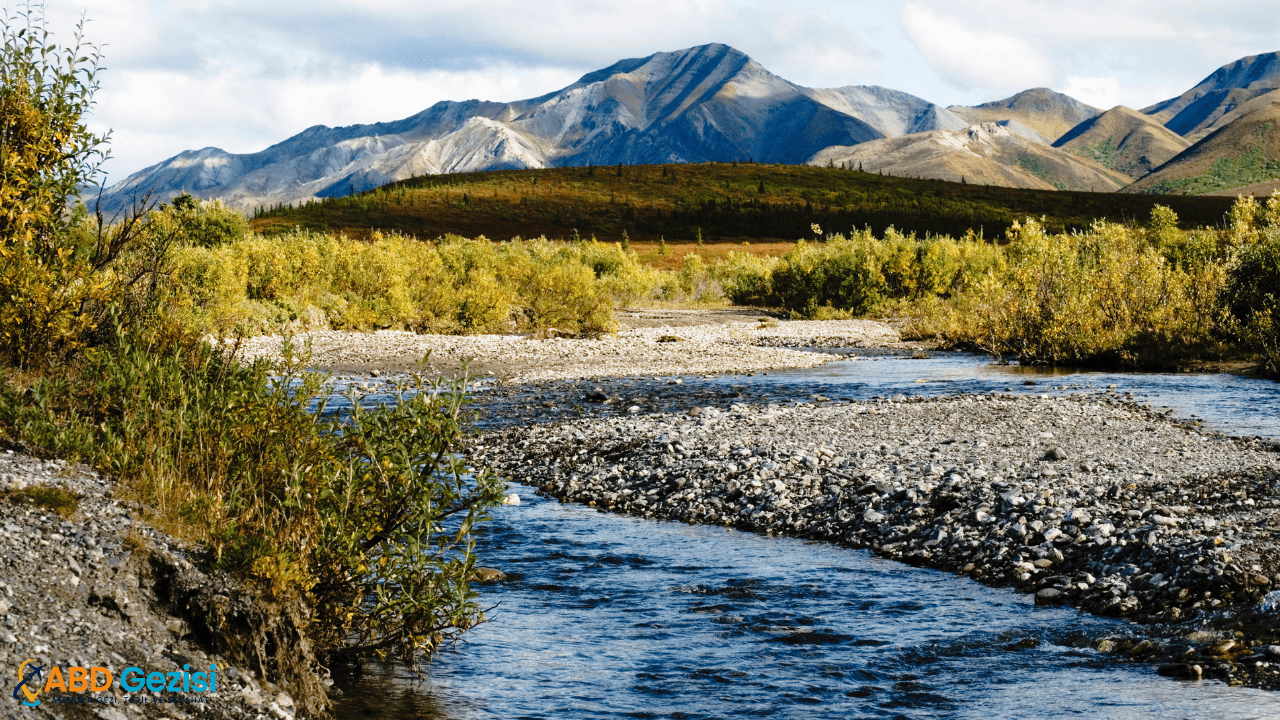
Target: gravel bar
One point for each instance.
(733, 346)
(1086, 500)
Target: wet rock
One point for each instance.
(487, 575)
(1049, 596)
(1181, 671)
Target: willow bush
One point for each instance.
(859, 273)
(1251, 293)
(368, 517)
(451, 285)
(50, 279)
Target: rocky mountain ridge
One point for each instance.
(714, 103)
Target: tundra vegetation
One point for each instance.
(367, 519)
(1132, 295)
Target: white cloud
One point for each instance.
(1100, 92)
(1107, 92)
(973, 59)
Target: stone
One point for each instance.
(1180, 671)
(1049, 596)
(1056, 453)
(1221, 648)
(1077, 516)
(487, 575)
(512, 499)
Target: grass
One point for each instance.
(49, 497)
(651, 254)
(726, 203)
(1101, 152)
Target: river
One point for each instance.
(614, 616)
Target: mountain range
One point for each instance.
(713, 103)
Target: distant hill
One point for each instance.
(1123, 140)
(1049, 113)
(1192, 113)
(720, 202)
(1258, 190)
(1244, 152)
(986, 153)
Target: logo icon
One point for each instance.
(30, 685)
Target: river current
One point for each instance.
(606, 616)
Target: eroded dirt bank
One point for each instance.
(99, 587)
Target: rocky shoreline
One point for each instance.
(95, 586)
(1088, 500)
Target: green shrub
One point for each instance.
(203, 223)
(50, 272)
(1252, 294)
(368, 517)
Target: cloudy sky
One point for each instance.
(242, 75)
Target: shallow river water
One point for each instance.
(613, 616)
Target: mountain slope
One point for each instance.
(1244, 152)
(1227, 88)
(1123, 140)
(1049, 113)
(706, 103)
(891, 112)
(1255, 103)
(986, 153)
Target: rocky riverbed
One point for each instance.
(1088, 500)
(95, 586)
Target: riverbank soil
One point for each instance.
(1086, 500)
(87, 583)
